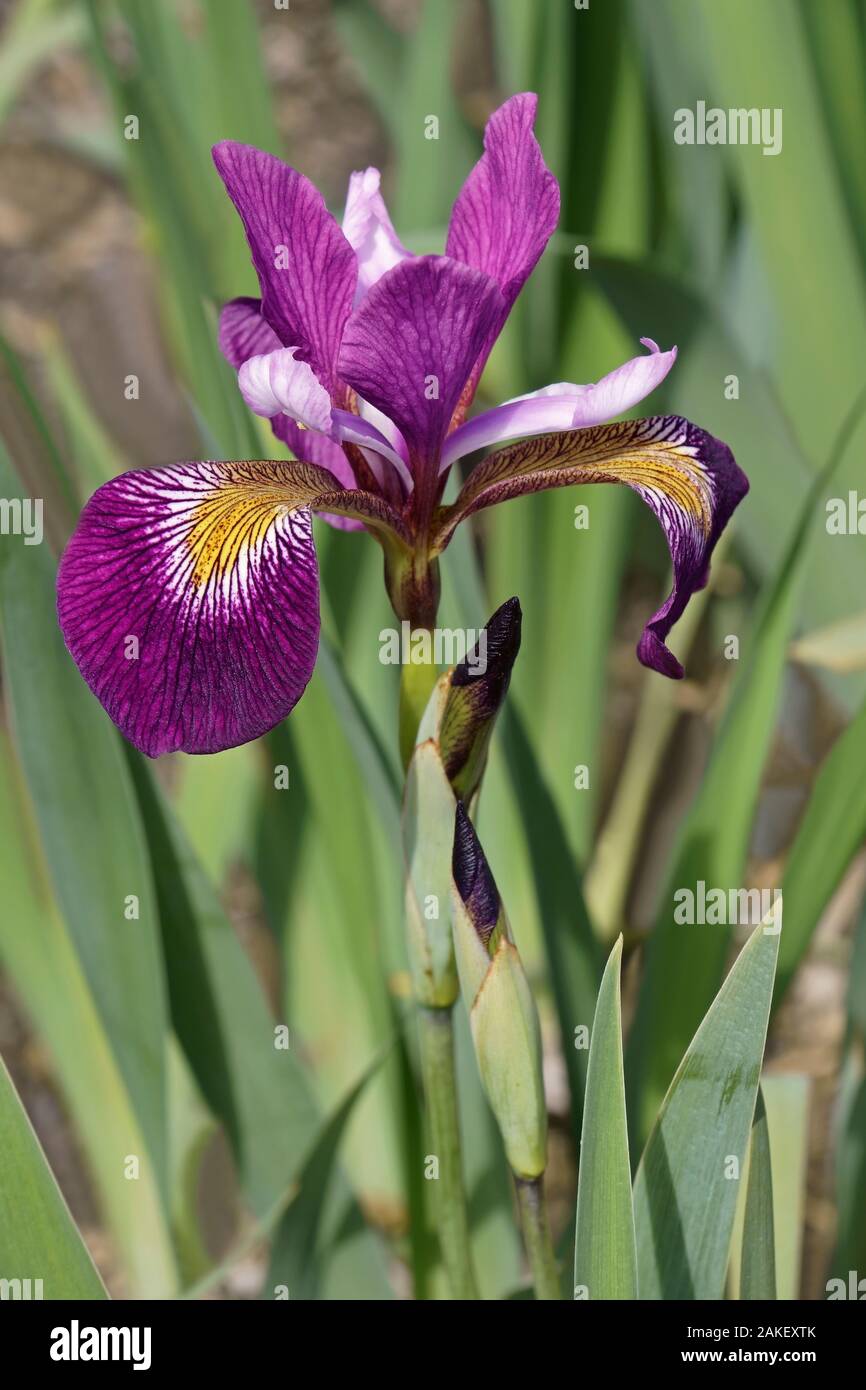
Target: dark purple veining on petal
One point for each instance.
(192, 614)
(408, 349)
(506, 211)
(688, 478)
(306, 268)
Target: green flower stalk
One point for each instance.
(506, 1035)
(446, 765)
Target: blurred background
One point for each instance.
(149, 1029)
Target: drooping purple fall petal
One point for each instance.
(563, 406)
(306, 268)
(688, 478)
(369, 230)
(506, 212)
(188, 596)
(410, 345)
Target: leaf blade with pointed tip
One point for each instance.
(605, 1257)
(684, 1202)
(295, 1256)
(758, 1269)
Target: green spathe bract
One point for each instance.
(507, 1040)
(427, 819)
(502, 1012)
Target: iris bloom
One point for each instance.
(189, 595)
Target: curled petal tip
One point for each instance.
(652, 652)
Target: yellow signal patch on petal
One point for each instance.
(688, 478)
(659, 457)
(189, 598)
(232, 520)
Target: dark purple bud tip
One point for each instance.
(472, 877)
(478, 687)
(502, 643)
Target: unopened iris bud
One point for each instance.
(477, 689)
(447, 763)
(502, 1012)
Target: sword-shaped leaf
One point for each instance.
(605, 1259)
(685, 1192)
(39, 1241)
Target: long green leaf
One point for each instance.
(786, 1098)
(255, 1087)
(605, 1257)
(573, 953)
(91, 832)
(40, 959)
(758, 1271)
(434, 159)
(38, 1238)
(685, 1191)
(830, 834)
(296, 1253)
(252, 1081)
(759, 56)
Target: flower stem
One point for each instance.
(440, 1086)
(536, 1234)
(416, 685)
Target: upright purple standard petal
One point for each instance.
(189, 598)
(370, 231)
(306, 267)
(507, 210)
(688, 478)
(409, 347)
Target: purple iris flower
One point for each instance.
(366, 359)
